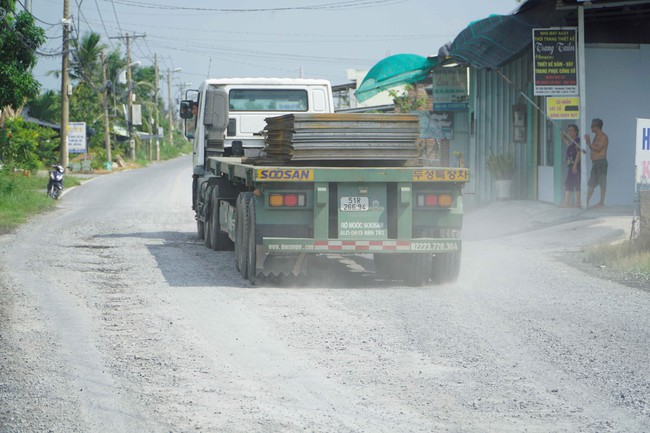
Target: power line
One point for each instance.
(296, 37)
(259, 54)
(34, 16)
(81, 12)
(28, 44)
(117, 20)
(146, 44)
(348, 4)
(101, 18)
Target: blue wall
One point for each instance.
(618, 91)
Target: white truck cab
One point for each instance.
(246, 103)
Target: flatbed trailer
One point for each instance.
(276, 216)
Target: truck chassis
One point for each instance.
(275, 217)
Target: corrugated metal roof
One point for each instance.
(499, 39)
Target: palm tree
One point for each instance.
(85, 64)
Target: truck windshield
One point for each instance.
(268, 100)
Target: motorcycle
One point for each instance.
(55, 184)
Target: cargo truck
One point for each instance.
(278, 178)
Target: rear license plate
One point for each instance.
(354, 204)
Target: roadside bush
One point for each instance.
(24, 145)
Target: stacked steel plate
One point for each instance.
(349, 136)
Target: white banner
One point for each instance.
(643, 151)
(76, 137)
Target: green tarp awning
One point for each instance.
(394, 71)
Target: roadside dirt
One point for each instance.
(115, 317)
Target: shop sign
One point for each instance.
(643, 151)
(76, 137)
(555, 61)
(563, 108)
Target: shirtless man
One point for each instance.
(598, 155)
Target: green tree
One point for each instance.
(86, 106)
(408, 100)
(85, 65)
(46, 106)
(24, 145)
(19, 40)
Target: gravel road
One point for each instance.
(115, 318)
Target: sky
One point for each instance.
(259, 38)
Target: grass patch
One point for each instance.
(22, 195)
(629, 260)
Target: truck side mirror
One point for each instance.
(216, 109)
(186, 109)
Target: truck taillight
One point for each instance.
(287, 200)
(435, 200)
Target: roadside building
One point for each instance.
(507, 109)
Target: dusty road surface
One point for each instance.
(115, 318)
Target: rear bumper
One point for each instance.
(315, 246)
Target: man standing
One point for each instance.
(598, 176)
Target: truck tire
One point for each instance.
(239, 231)
(385, 266)
(417, 268)
(251, 247)
(207, 239)
(446, 267)
(206, 234)
(219, 240)
(244, 199)
(200, 229)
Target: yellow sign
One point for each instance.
(285, 175)
(441, 175)
(563, 108)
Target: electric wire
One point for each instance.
(258, 54)
(348, 4)
(34, 16)
(101, 18)
(292, 37)
(117, 20)
(27, 44)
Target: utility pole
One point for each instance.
(65, 100)
(155, 60)
(107, 137)
(171, 108)
(129, 85)
(171, 116)
(129, 121)
(582, 92)
(150, 139)
(182, 86)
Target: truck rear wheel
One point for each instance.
(219, 240)
(239, 230)
(417, 268)
(385, 266)
(200, 229)
(207, 241)
(251, 247)
(207, 207)
(243, 221)
(413, 269)
(446, 267)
